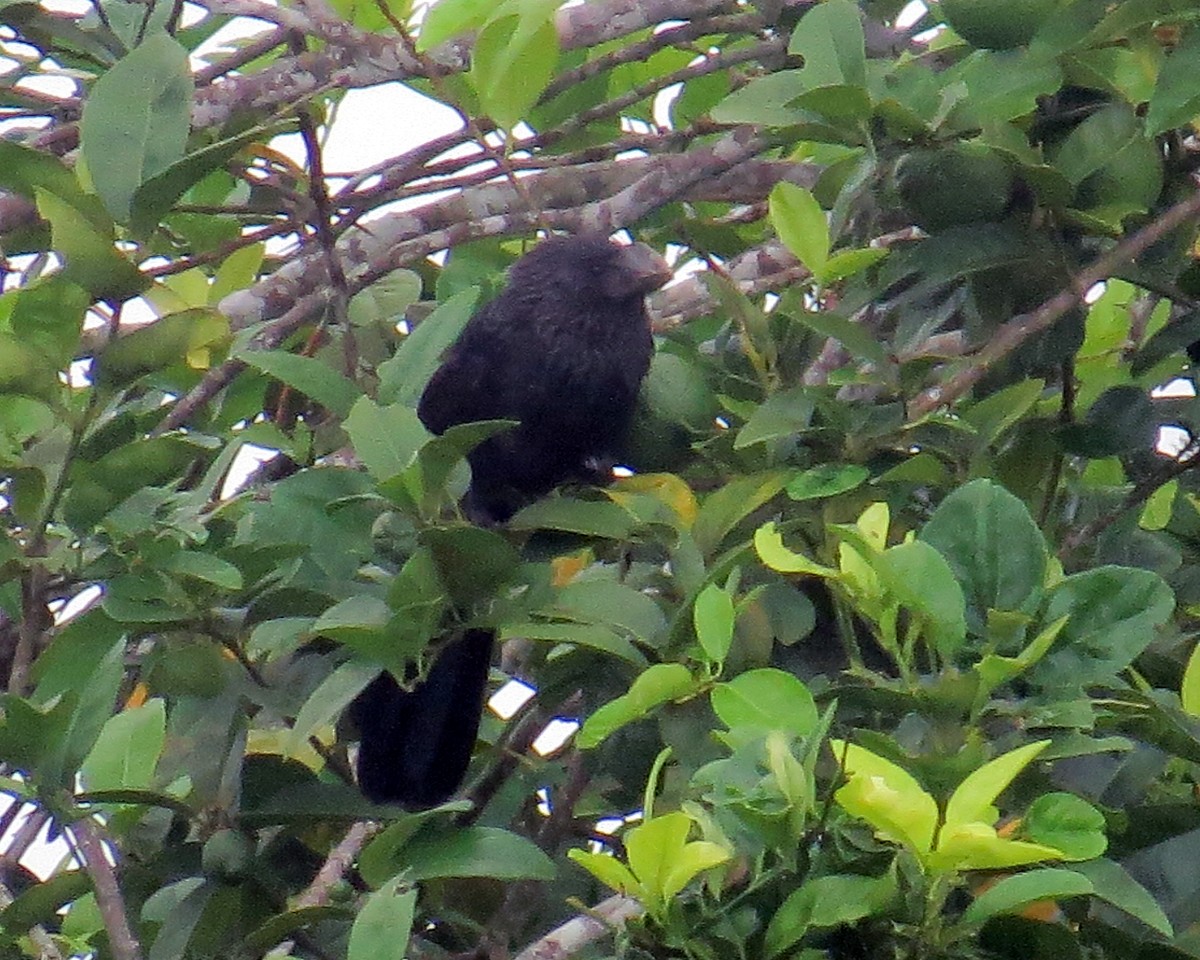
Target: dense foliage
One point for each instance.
(883, 650)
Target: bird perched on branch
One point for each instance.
(562, 350)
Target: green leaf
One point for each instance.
(191, 337)
(846, 263)
(1067, 822)
(591, 635)
(1093, 142)
(472, 563)
(1189, 690)
(782, 415)
(712, 615)
(205, 567)
(1113, 884)
(768, 544)
(1114, 613)
(1156, 513)
(1121, 420)
(24, 171)
(765, 699)
(47, 316)
(476, 852)
(385, 301)
(830, 39)
(824, 902)
(92, 261)
(403, 377)
(1001, 85)
(764, 100)
(995, 414)
(612, 603)
(328, 700)
(136, 120)
(663, 860)
(995, 549)
(659, 684)
(159, 191)
(857, 339)
(921, 579)
(126, 752)
(236, 272)
(383, 925)
(827, 480)
(386, 439)
(973, 799)
(308, 375)
(354, 614)
(42, 901)
(887, 797)
(592, 518)
(975, 845)
(513, 59)
(607, 869)
(1013, 894)
(1176, 98)
(725, 508)
(801, 224)
(449, 18)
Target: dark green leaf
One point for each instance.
(993, 546)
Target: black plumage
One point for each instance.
(562, 350)
(414, 745)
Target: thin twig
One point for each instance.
(251, 50)
(1187, 460)
(109, 899)
(336, 865)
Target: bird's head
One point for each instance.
(590, 265)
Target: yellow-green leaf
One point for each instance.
(973, 798)
(887, 797)
(768, 543)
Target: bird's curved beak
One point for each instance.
(642, 269)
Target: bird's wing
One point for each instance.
(462, 390)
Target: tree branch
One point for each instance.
(579, 932)
(109, 899)
(1012, 334)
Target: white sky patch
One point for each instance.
(510, 698)
(1172, 441)
(44, 858)
(248, 459)
(1179, 388)
(910, 15)
(554, 735)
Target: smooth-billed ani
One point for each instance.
(562, 350)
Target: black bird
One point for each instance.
(563, 350)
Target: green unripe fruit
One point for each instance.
(227, 855)
(956, 185)
(997, 24)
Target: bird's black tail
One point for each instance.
(414, 746)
